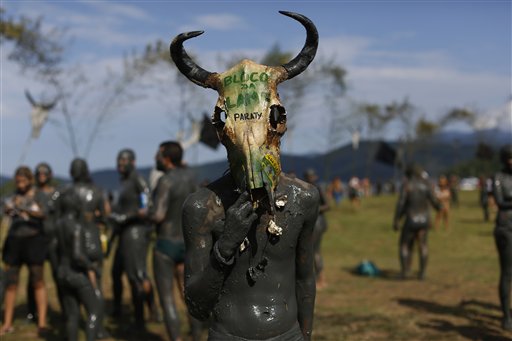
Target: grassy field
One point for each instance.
(457, 301)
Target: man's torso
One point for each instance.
(264, 303)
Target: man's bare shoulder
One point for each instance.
(199, 199)
(303, 193)
(209, 198)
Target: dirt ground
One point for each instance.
(458, 300)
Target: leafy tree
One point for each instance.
(93, 103)
(458, 115)
(275, 56)
(33, 47)
(161, 72)
(425, 128)
(86, 104)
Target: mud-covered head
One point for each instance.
(250, 120)
(413, 170)
(43, 174)
(79, 171)
(249, 117)
(125, 162)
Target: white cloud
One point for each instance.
(221, 22)
(109, 24)
(119, 10)
(105, 35)
(431, 79)
(496, 118)
(346, 49)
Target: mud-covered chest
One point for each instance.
(129, 195)
(261, 236)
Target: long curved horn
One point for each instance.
(185, 64)
(306, 55)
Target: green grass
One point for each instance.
(457, 301)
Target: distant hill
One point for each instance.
(436, 154)
(494, 137)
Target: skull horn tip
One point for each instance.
(185, 64)
(308, 52)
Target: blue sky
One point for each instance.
(439, 54)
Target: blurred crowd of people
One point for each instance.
(76, 226)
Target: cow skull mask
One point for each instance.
(248, 116)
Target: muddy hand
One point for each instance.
(239, 218)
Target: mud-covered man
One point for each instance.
(169, 253)
(248, 235)
(502, 190)
(76, 269)
(130, 216)
(94, 209)
(416, 197)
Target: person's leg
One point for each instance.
(11, 283)
(53, 258)
(405, 247)
(196, 326)
(486, 212)
(149, 297)
(503, 239)
(101, 333)
(163, 270)
(447, 219)
(2, 284)
(134, 253)
(117, 283)
(31, 302)
(437, 219)
(149, 292)
(40, 295)
(88, 297)
(423, 250)
(72, 314)
(318, 232)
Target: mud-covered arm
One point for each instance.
(305, 285)
(204, 276)
(209, 261)
(158, 209)
(324, 205)
(80, 259)
(497, 191)
(400, 205)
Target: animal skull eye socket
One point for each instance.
(277, 116)
(219, 118)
